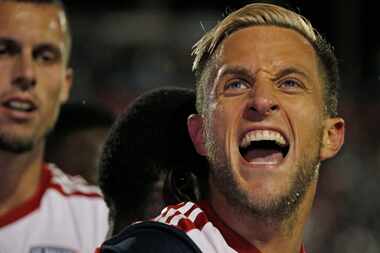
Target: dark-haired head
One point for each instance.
(149, 155)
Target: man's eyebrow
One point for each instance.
(290, 70)
(49, 46)
(242, 71)
(237, 70)
(8, 41)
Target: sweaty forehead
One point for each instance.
(265, 49)
(30, 21)
(267, 46)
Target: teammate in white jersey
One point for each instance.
(64, 215)
(35, 80)
(267, 117)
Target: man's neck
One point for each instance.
(20, 177)
(266, 235)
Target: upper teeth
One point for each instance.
(20, 105)
(262, 135)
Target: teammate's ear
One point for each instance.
(333, 137)
(195, 127)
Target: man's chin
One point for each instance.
(274, 207)
(15, 146)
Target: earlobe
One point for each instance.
(195, 129)
(333, 137)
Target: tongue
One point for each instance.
(263, 156)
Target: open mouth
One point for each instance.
(264, 147)
(20, 106)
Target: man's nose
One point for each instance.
(263, 102)
(24, 72)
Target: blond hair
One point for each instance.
(264, 14)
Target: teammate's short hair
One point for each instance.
(79, 116)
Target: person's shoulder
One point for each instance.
(70, 186)
(150, 236)
(72, 193)
(81, 204)
(185, 216)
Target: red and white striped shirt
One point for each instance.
(205, 228)
(65, 215)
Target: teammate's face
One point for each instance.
(265, 127)
(34, 80)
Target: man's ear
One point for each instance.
(195, 128)
(67, 83)
(333, 137)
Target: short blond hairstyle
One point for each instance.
(261, 14)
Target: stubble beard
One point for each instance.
(23, 144)
(274, 209)
(15, 145)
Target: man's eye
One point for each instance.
(46, 57)
(236, 85)
(47, 54)
(290, 84)
(7, 49)
(3, 49)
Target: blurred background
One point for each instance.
(123, 48)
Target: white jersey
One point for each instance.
(64, 216)
(192, 220)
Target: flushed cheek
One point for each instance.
(6, 75)
(51, 79)
(303, 113)
(307, 132)
(226, 126)
(226, 119)
(49, 91)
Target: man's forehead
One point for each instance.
(30, 22)
(21, 15)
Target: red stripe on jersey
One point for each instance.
(31, 204)
(192, 208)
(232, 238)
(201, 220)
(185, 225)
(168, 208)
(70, 186)
(182, 215)
(60, 189)
(170, 218)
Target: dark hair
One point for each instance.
(79, 116)
(147, 141)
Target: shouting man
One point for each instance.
(267, 117)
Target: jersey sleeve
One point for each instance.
(150, 237)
